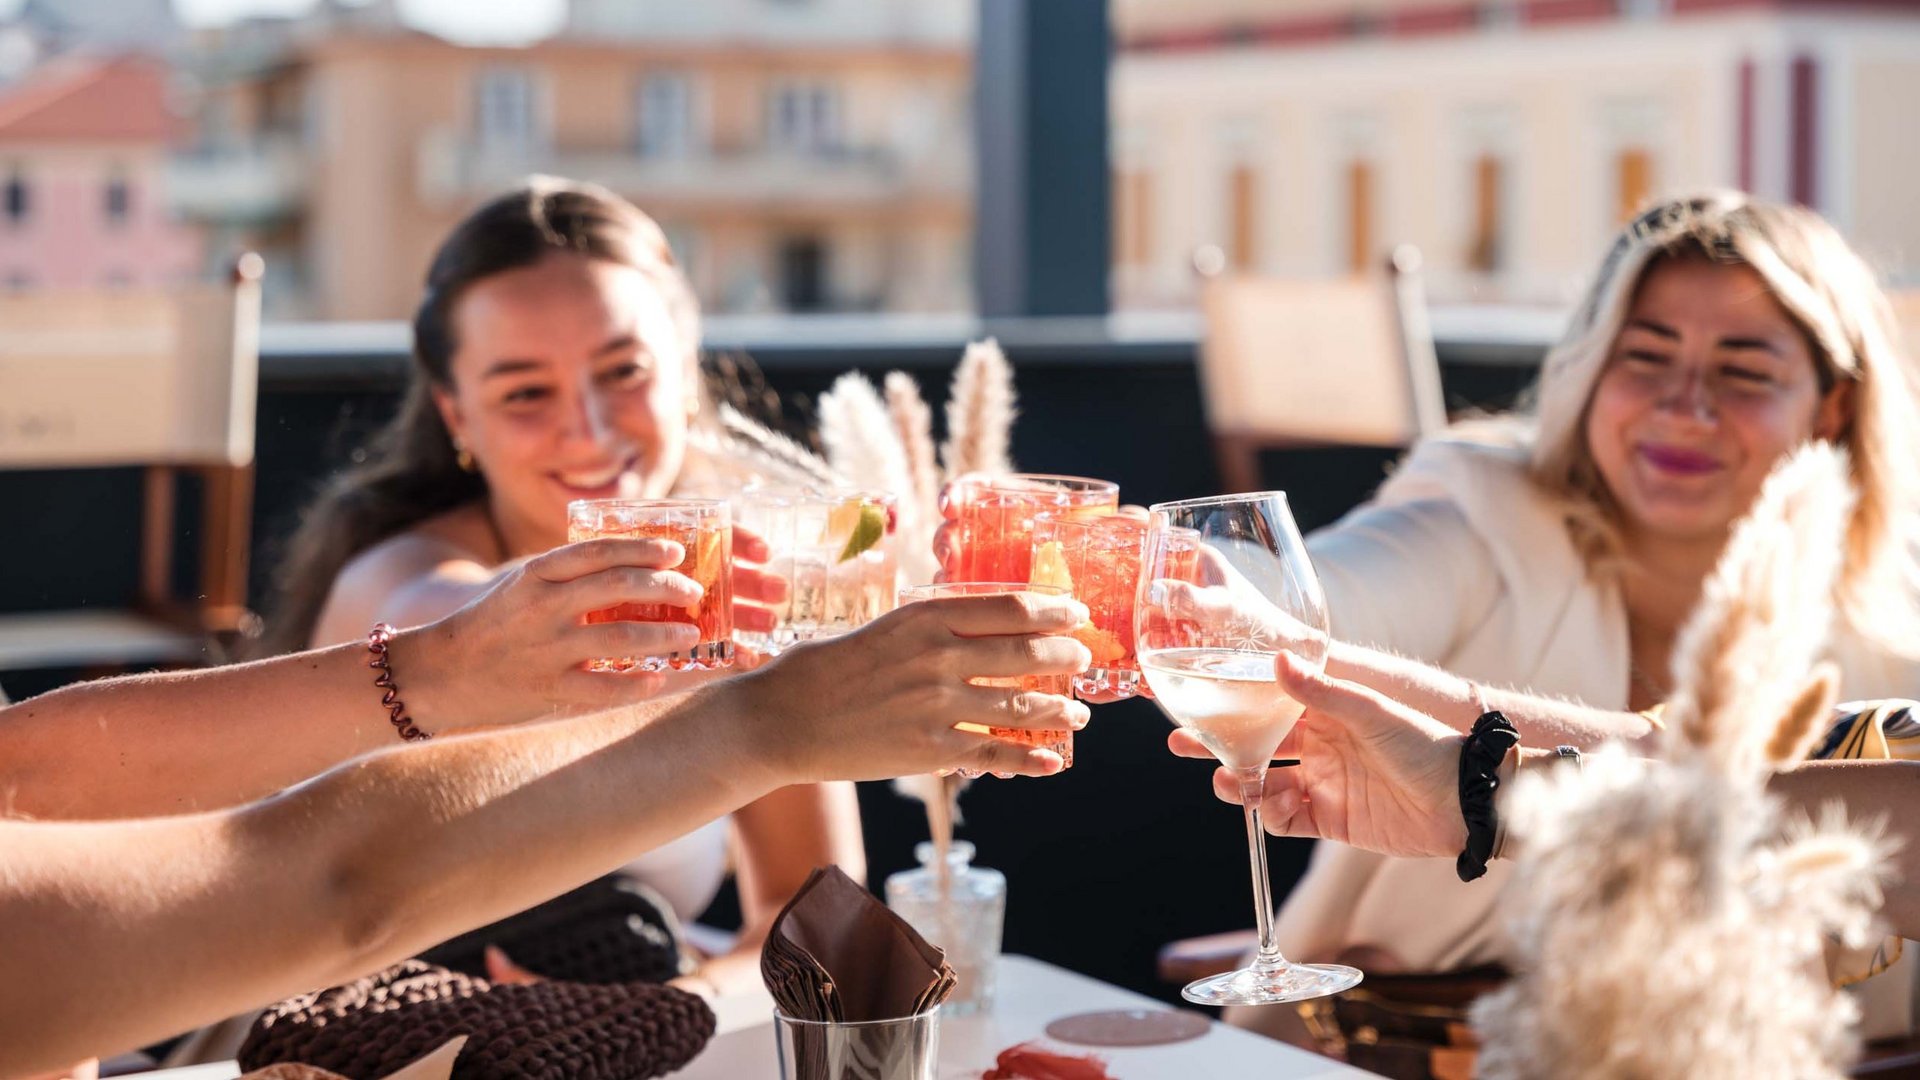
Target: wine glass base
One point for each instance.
(1253, 986)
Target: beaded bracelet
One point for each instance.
(377, 641)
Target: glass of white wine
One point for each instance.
(1225, 588)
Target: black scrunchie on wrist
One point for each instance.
(1480, 757)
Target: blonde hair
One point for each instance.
(1836, 300)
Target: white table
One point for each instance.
(1031, 995)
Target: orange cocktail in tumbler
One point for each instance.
(1060, 742)
(701, 526)
(993, 526)
(1097, 561)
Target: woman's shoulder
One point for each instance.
(459, 535)
(369, 581)
(1486, 457)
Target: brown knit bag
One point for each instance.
(373, 1026)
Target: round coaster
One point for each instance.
(1129, 1027)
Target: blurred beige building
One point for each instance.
(801, 156)
(1506, 139)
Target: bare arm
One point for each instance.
(133, 930)
(1378, 774)
(182, 741)
(115, 933)
(1447, 697)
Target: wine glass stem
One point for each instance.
(1252, 787)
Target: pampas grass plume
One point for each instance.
(1669, 920)
(980, 413)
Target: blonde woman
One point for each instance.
(1560, 549)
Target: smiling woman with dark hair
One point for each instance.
(556, 357)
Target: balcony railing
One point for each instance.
(453, 166)
(261, 180)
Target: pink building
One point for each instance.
(83, 151)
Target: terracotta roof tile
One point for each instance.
(90, 98)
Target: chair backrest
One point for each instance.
(131, 377)
(1906, 318)
(1342, 362)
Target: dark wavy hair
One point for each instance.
(408, 473)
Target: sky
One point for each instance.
(460, 20)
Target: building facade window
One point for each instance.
(1644, 9)
(1487, 251)
(804, 117)
(506, 107)
(1632, 183)
(117, 198)
(18, 198)
(684, 242)
(803, 273)
(663, 113)
(1133, 216)
(1243, 221)
(1360, 184)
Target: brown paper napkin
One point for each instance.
(836, 953)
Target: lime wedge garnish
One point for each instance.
(867, 530)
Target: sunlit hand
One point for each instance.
(755, 588)
(518, 652)
(884, 700)
(1373, 773)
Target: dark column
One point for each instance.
(1042, 218)
(1803, 182)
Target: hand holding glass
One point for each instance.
(703, 528)
(1061, 741)
(1225, 587)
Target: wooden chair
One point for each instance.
(1906, 318)
(1293, 364)
(161, 380)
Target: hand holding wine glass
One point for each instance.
(1226, 589)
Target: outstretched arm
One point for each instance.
(1380, 775)
(192, 740)
(1457, 702)
(119, 932)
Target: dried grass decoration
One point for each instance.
(886, 443)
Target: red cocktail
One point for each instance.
(1097, 560)
(701, 526)
(1061, 741)
(996, 515)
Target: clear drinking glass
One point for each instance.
(1097, 560)
(1060, 742)
(961, 908)
(903, 1049)
(1225, 588)
(995, 516)
(837, 551)
(702, 527)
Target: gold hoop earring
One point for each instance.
(463, 458)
